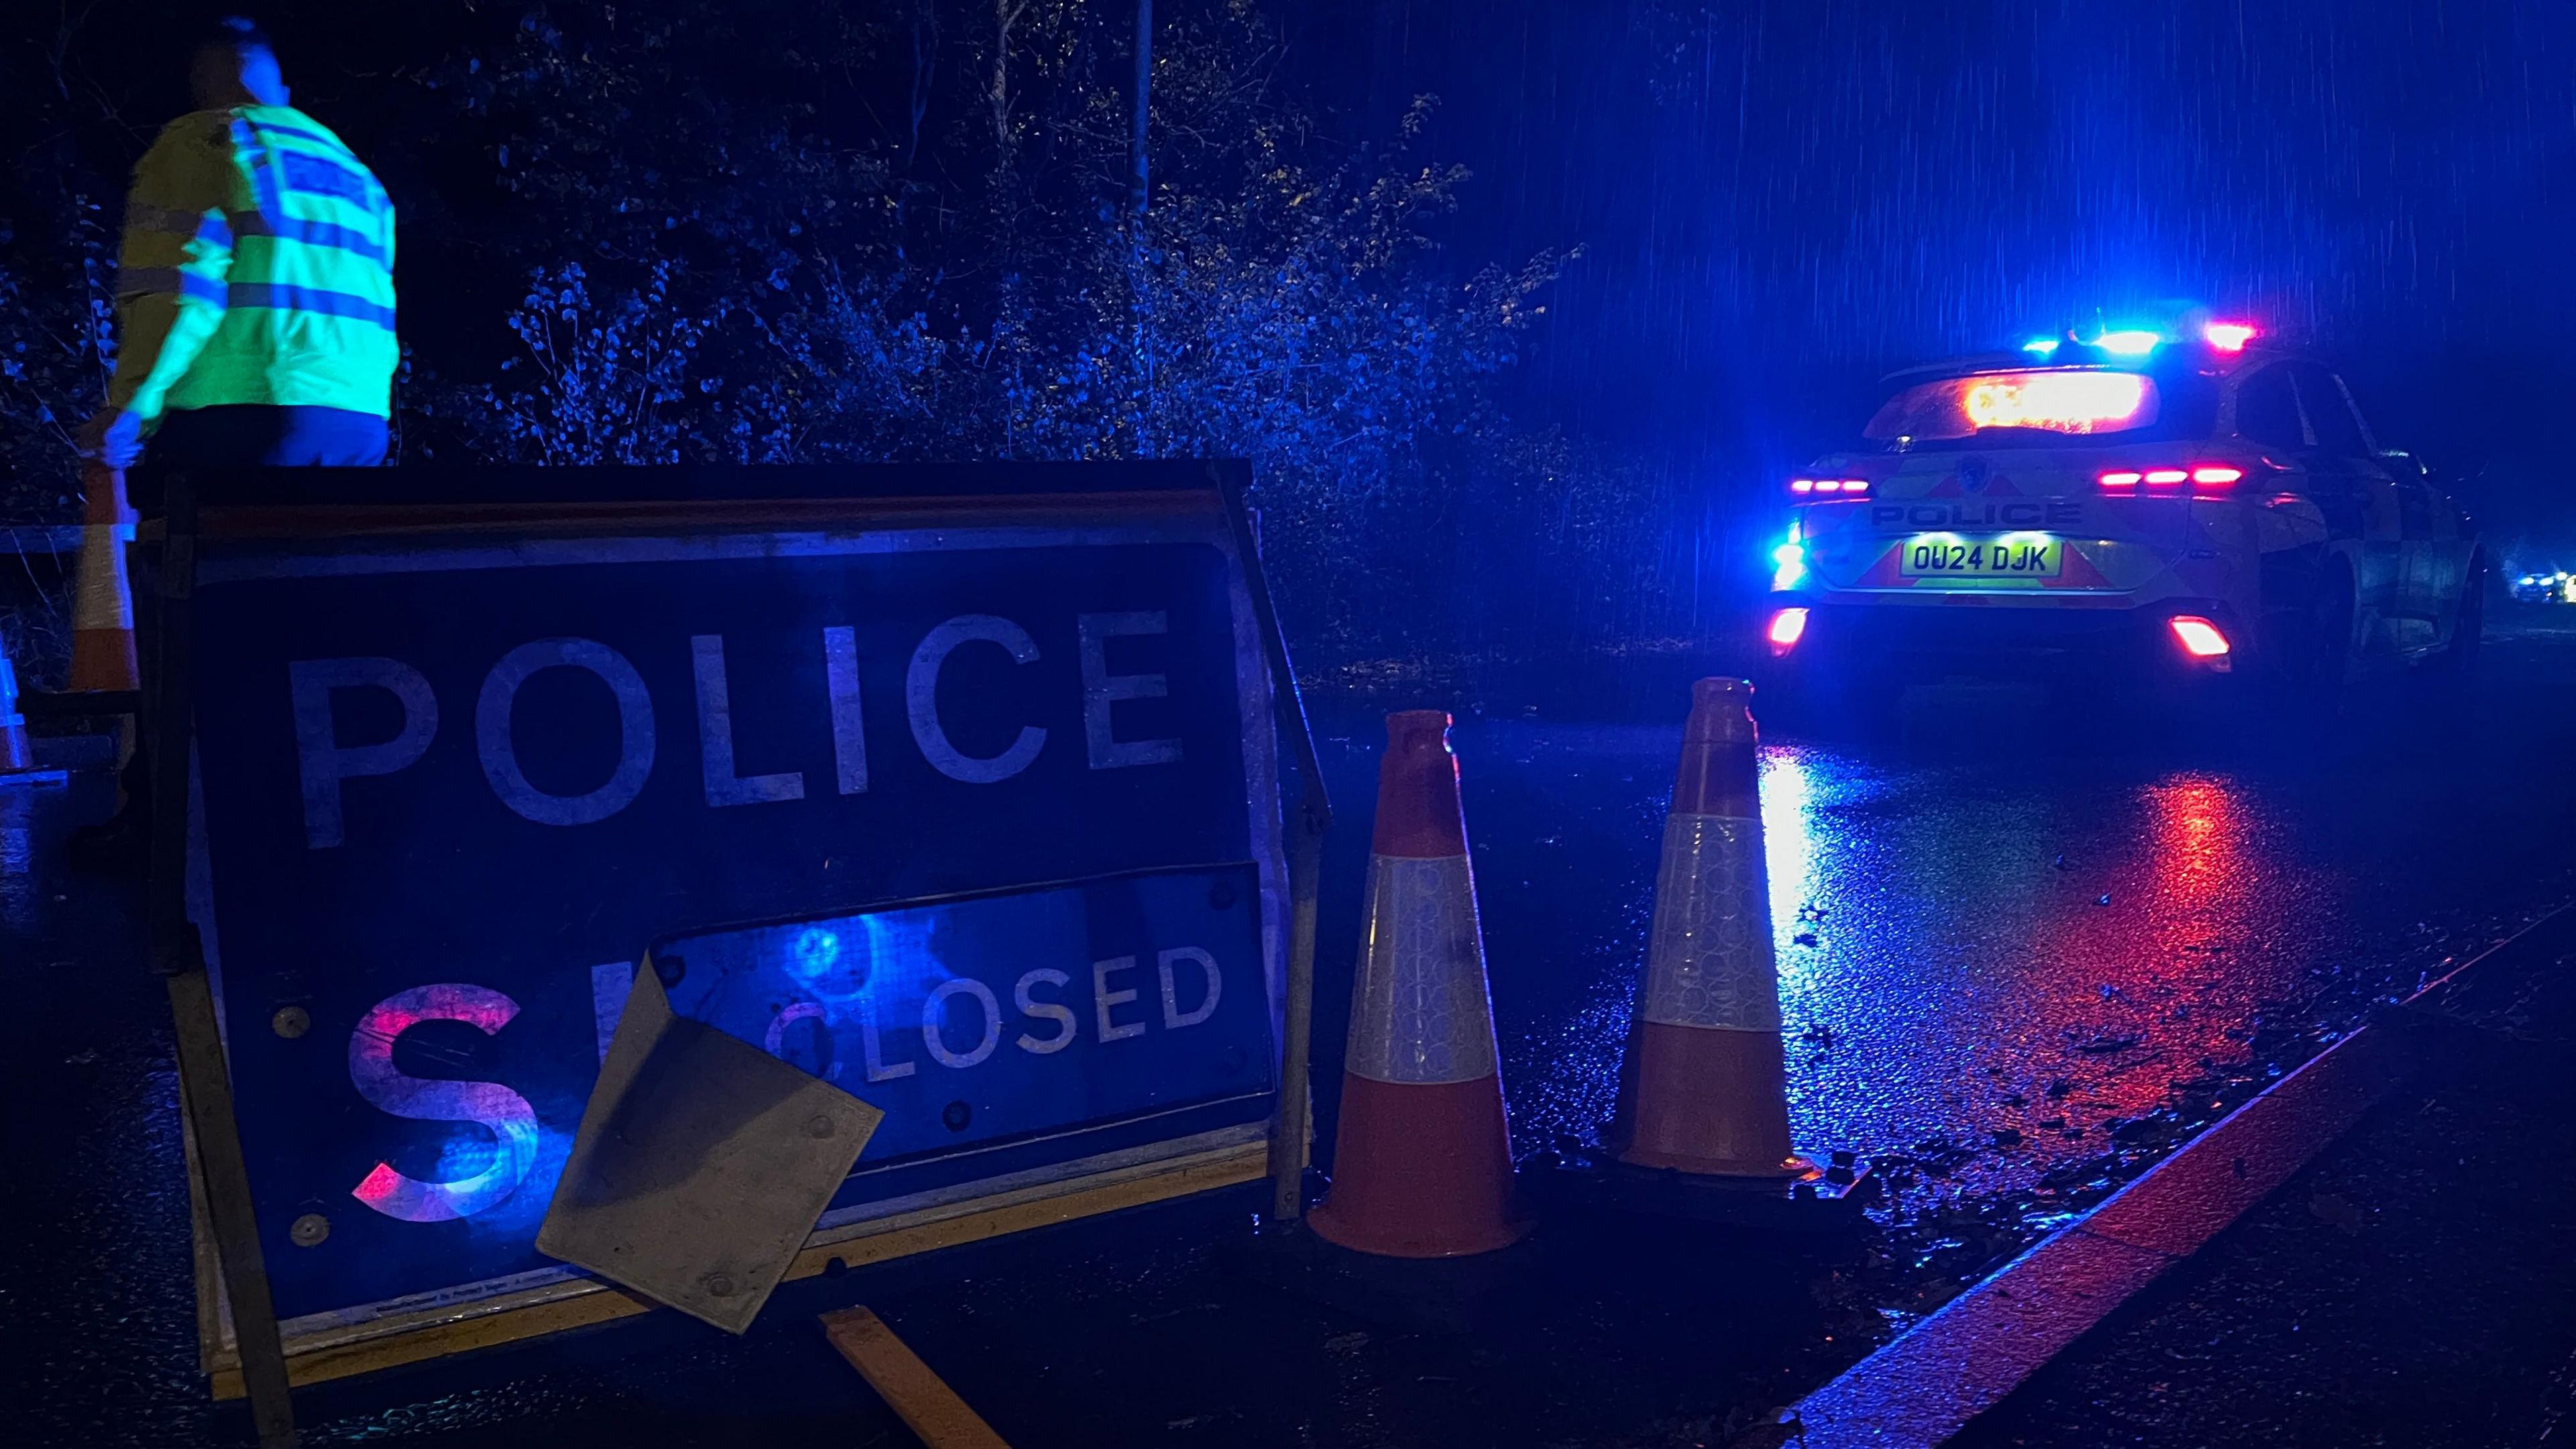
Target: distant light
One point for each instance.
(2229, 336)
(2136, 343)
(2041, 347)
(2198, 637)
(1787, 627)
(2209, 475)
(2120, 479)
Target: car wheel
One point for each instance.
(2319, 666)
(2459, 658)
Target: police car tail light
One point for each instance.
(2198, 637)
(1787, 627)
(2202, 478)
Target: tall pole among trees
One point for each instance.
(1144, 108)
(1140, 333)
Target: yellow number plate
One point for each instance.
(1954, 556)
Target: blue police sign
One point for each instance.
(455, 775)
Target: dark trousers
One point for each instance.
(230, 437)
(252, 437)
(257, 437)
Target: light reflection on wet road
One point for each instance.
(1982, 930)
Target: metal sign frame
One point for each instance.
(245, 1350)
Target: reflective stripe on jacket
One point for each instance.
(258, 268)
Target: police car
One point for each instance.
(2166, 503)
(2544, 586)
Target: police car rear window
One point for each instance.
(2035, 407)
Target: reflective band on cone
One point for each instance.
(102, 610)
(1422, 1161)
(1703, 1086)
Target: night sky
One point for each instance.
(1777, 200)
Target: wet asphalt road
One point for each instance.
(2409, 1288)
(2023, 949)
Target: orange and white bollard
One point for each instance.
(1422, 1163)
(1703, 1087)
(17, 755)
(102, 610)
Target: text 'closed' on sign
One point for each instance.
(995, 1016)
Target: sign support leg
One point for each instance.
(179, 954)
(1313, 816)
(1289, 1126)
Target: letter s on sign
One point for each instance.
(497, 1109)
(1030, 1006)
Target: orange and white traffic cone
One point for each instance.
(102, 611)
(1703, 1087)
(17, 756)
(1422, 1163)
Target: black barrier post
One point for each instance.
(1314, 816)
(179, 954)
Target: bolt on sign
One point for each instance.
(466, 747)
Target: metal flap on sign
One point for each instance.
(701, 1165)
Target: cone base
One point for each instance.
(1421, 1170)
(1787, 1169)
(103, 659)
(1705, 1100)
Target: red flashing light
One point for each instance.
(2198, 637)
(2229, 336)
(1829, 485)
(1787, 627)
(2203, 478)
